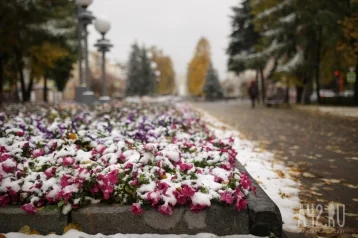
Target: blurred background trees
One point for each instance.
(37, 37)
(198, 67)
(298, 42)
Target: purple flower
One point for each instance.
(188, 191)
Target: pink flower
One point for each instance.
(188, 191)
(38, 152)
(4, 157)
(113, 176)
(226, 166)
(241, 204)
(65, 180)
(29, 208)
(68, 161)
(20, 133)
(149, 147)
(163, 187)
(184, 167)
(165, 210)
(100, 148)
(154, 197)
(128, 166)
(4, 200)
(9, 166)
(136, 209)
(238, 194)
(245, 181)
(181, 199)
(227, 197)
(197, 208)
(50, 172)
(134, 182)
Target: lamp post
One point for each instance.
(85, 18)
(102, 25)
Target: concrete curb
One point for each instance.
(265, 216)
(261, 218)
(12, 218)
(112, 219)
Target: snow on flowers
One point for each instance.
(141, 154)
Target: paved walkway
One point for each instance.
(337, 111)
(322, 148)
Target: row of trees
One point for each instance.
(301, 41)
(149, 72)
(202, 78)
(38, 36)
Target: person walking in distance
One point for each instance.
(253, 92)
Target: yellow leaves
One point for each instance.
(44, 57)
(197, 68)
(164, 63)
(25, 230)
(70, 226)
(72, 136)
(280, 173)
(34, 232)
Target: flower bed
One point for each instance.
(142, 154)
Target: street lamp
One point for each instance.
(85, 18)
(102, 25)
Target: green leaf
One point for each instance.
(50, 208)
(60, 204)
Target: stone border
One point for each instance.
(261, 218)
(12, 218)
(265, 217)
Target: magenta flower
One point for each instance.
(113, 176)
(68, 161)
(188, 191)
(128, 166)
(163, 187)
(9, 166)
(4, 200)
(136, 209)
(241, 204)
(154, 197)
(20, 133)
(100, 148)
(38, 152)
(29, 208)
(227, 197)
(245, 181)
(50, 172)
(181, 199)
(196, 208)
(165, 210)
(184, 167)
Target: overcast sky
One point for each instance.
(175, 26)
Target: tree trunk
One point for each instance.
(257, 80)
(1, 78)
(356, 87)
(299, 94)
(317, 63)
(45, 89)
(19, 68)
(263, 90)
(29, 89)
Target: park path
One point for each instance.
(322, 148)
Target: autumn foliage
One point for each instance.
(197, 68)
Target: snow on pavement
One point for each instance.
(77, 234)
(272, 174)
